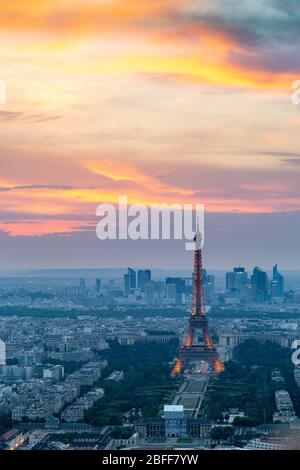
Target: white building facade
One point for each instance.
(2, 353)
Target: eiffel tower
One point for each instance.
(193, 349)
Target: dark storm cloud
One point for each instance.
(274, 61)
(251, 20)
(267, 31)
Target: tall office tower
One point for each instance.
(98, 286)
(140, 279)
(172, 292)
(149, 293)
(132, 278)
(237, 279)
(111, 285)
(159, 288)
(230, 280)
(274, 289)
(179, 284)
(260, 284)
(144, 277)
(195, 350)
(126, 285)
(277, 285)
(209, 288)
(210, 279)
(82, 288)
(2, 353)
(240, 281)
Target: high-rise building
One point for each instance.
(98, 286)
(277, 284)
(237, 280)
(82, 288)
(260, 284)
(149, 293)
(144, 277)
(179, 282)
(126, 284)
(230, 280)
(132, 278)
(171, 293)
(209, 289)
(2, 353)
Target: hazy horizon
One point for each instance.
(230, 240)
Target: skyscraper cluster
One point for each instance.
(256, 288)
(171, 291)
(136, 280)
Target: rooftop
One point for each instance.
(175, 408)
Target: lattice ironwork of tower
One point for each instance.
(193, 349)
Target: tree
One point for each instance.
(242, 421)
(221, 433)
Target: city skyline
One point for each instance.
(150, 288)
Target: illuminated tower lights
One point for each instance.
(198, 320)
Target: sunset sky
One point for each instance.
(162, 100)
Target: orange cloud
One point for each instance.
(194, 69)
(39, 228)
(201, 52)
(79, 15)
